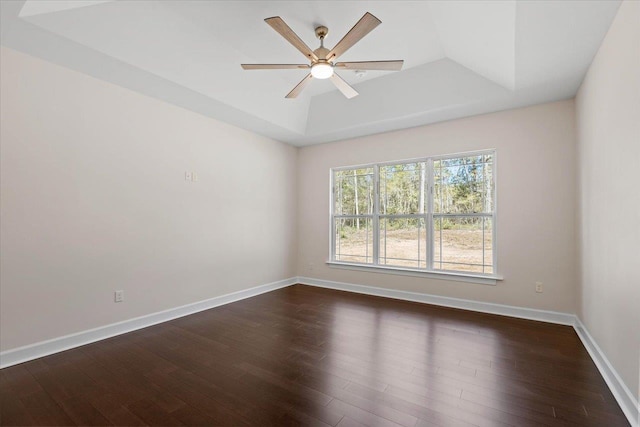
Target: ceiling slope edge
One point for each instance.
(453, 112)
(573, 32)
(480, 36)
(433, 88)
(32, 8)
(30, 39)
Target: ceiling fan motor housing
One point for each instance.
(321, 53)
(321, 32)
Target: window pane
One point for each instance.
(402, 188)
(354, 240)
(353, 192)
(488, 245)
(403, 242)
(463, 244)
(463, 185)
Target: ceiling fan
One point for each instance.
(323, 65)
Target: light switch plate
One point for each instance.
(118, 296)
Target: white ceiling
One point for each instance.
(461, 57)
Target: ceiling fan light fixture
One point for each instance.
(322, 60)
(322, 70)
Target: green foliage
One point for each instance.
(463, 223)
(393, 224)
(347, 227)
(402, 189)
(464, 185)
(354, 192)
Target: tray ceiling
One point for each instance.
(461, 57)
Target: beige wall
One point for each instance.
(608, 128)
(536, 187)
(94, 199)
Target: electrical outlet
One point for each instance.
(187, 176)
(118, 296)
(194, 176)
(539, 287)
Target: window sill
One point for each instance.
(484, 279)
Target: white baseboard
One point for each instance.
(620, 391)
(618, 388)
(45, 348)
(627, 401)
(483, 307)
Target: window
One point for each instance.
(433, 214)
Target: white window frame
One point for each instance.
(428, 216)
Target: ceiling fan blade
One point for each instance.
(296, 90)
(285, 31)
(274, 66)
(344, 87)
(363, 27)
(371, 65)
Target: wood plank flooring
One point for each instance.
(309, 356)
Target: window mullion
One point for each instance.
(494, 222)
(429, 214)
(332, 202)
(376, 214)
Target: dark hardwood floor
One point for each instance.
(311, 356)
